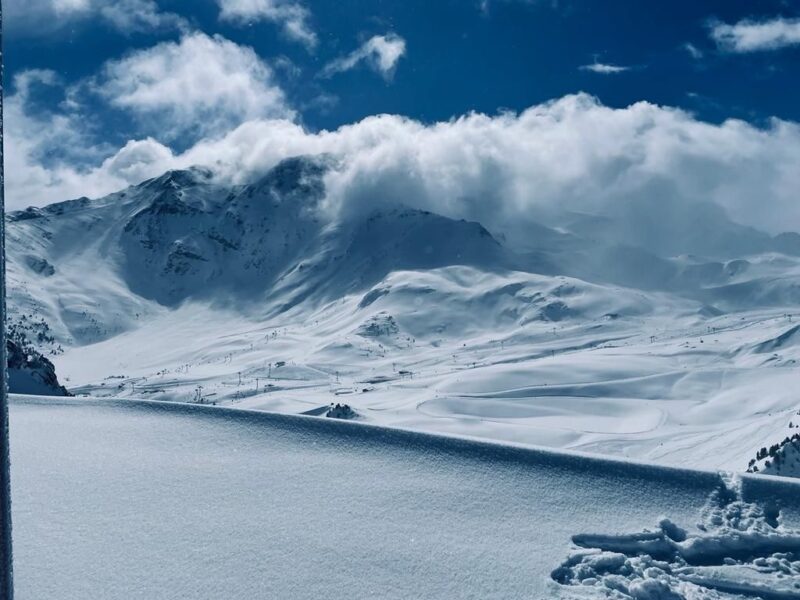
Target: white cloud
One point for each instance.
(45, 151)
(25, 80)
(196, 87)
(603, 68)
(140, 15)
(693, 50)
(572, 154)
(138, 160)
(45, 133)
(39, 17)
(753, 36)
(507, 170)
(200, 85)
(380, 52)
(291, 16)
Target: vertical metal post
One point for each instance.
(6, 578)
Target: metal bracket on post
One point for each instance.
(6, 577)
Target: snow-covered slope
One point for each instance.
(120, 500)
(644, 332)
(94, 269)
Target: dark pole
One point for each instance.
(6, 579)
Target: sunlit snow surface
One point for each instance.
(668, 386)
(115, 499)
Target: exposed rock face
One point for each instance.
(31, 373)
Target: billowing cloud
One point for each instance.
(198, 86)
(128, 16)
(508, 170)
(138, 160)
(604, 68)
(292, 16)
(754, 36)
(571, 154)
(381, 53)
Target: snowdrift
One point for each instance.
(118, 499)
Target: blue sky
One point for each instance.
(465, 55)
(87, 77)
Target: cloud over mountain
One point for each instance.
(510, 169)
(570, 154)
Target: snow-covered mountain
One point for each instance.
(653, 331)
(93, 268)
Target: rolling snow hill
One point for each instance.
(643, 332)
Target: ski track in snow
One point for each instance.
(128, 500)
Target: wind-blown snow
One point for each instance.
(151, 500)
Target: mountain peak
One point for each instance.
(296, 175)
(179, 179)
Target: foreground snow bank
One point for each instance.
(740, 549)
(150, 500)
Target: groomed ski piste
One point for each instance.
(120, 499)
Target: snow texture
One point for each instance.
(127, 500)
(739, 549)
